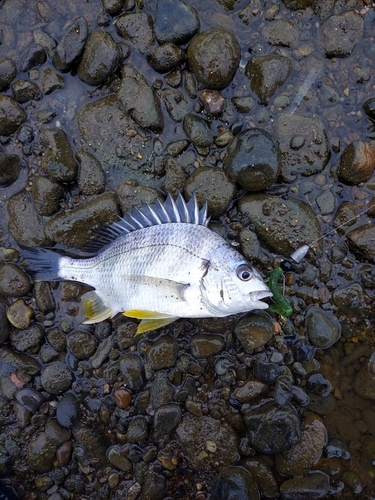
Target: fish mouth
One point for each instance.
(257, 297)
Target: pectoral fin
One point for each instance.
(151, 320)
(94, 308)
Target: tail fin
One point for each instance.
(42, 264)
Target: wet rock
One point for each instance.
(357, 162)
(11, 115)
(272, 429)
(213, 56)
(234, 482)
(300, 457)
(350, 300)
(175, 177)
(56, 434)
(24, 90)
(161, 390)
(176, 103)
(341, 33)
(326, 202)
(254, 332)
(4, 322)
(212, 101)
(211, 185)
(117, 459)
(311, 487)
(91, 176)
(58, 160)
(249, 391)
(35, 55)
(174, 78)
(113, 6)
(47, 195)
(283, 224)
(166, 418)
(130, 195)
(23, 362)
(154, 486)
(136, 28)
(122, 398)
(368, 106)
(74, 227)
(14, 282)
(206, 345)
(56, 378)
(321, 406)
(362, 241)
(364, 382)
(319, 385)
(344, 217)
(162, 353)
(81, 344)
(137, 430)
(51, 81)
(267, 74)
(249, 244)
(45, 40)
(244, 104)
(30, 398)
(70, 47)
(10, 168)
(176, 21)
(263, 476)
(25, 134)
(40, 454)
(166, 57)
(322, 329)
(198, 131)
(8, 71)
(131, 369)
(281, 33)
(193, 434)
(312, 156)
(253, 159)
(25, 224)
(139, 100)
(25, 339)
(100, 58)
(90, 442)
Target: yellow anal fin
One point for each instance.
(151, 320)
(94, 308)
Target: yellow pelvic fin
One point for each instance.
(153, 324)
(151, 320)
(94, 308)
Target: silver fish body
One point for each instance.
(173, 267)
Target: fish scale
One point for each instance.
(159, 263)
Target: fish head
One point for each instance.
(233, 286)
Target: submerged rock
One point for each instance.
(100, 58)
(10, 168)
(362, 241)
(8, 71)
(136, 28)
(306, 157)
(11, 115)
(357, 162)
(70, 47)
(165, 58)
(175, 21)
(267, 74)
(47, 195)
(91, 176)
(33, 56)
(253, 159)
(312, 487)
(341, 33)
(234, 483)
(213, 56)
(58, 160)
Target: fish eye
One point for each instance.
(244, 272)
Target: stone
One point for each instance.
(176, 21)
(267, 74)
(71, 46)
(341, 33)
(11, 115)
(357, 162)
(136, 28)
(10, 168)
(58, 160)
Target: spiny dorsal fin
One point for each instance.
(171, 211)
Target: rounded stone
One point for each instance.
(234, 483)
(254, 332)
(131, 369)
(47, 195)
(10, 168)
(25, 339)
(213, 56)
(14, 282)
(100, 58)
(33, 56)
(118, 460)
(312, 487)
(81, 344)
(253, 159)
(263, 476)
(91, 176)
(322, 329)
(67, 411)
(24, 91)
(165, 58)
(166, 418)
(163, 353)
(58, 160)
(267, 74)
(175, 21)
(206, 345)
(122, 398)
(56, 378)
(341, 33)
(137, 430)
(357, 162)
(211, 185)
(30, 398)
(136, 28)
(8, 71)
(40, 454)
(11, 115)
(70, 47)
(272, 429)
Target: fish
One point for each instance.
(158, 263)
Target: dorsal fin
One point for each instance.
(171, 211)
